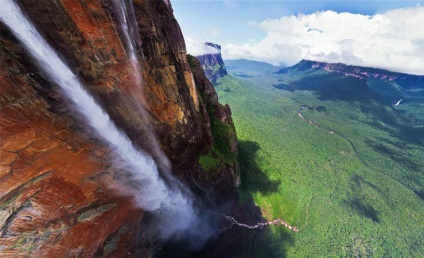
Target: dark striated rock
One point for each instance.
(212, 63)
(54, 199)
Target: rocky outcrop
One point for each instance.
(220, 158)
(54, 175)
(212, 63)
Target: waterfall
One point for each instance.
(124, 14)
(174, 207)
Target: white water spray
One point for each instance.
(175, 208)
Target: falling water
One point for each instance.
(174, 208)
(123, 11)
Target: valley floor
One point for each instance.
(340, 171)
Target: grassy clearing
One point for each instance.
(352, 194)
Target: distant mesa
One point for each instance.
(330, 79)
(212, 63)
(354, 71)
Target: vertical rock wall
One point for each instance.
(54, 199)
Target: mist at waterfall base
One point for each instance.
(175, 211)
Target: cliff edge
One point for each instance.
(54, 174)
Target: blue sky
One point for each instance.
(235, 20)
(247, 27)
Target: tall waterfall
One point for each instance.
(123, 11)
(174, 208)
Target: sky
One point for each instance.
(384, 34)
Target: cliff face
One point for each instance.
(54, 199)
(212, 64)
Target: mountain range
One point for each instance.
(249, 68)
(392, 85)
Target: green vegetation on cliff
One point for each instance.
(348, 174)
(221, 153)
(223, 137)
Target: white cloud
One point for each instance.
(393, 40)
(197, 48)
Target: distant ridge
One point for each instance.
(249, 68)
(396, 88)
(357, 71)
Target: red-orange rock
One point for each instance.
(54, 200)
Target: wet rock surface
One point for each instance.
(54, 173)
